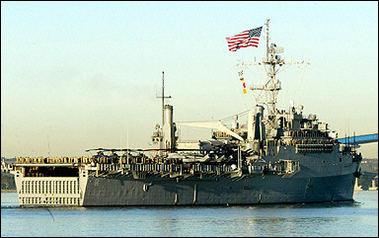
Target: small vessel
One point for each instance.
(279, 156)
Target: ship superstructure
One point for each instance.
(280, 157)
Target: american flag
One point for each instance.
(244, 39)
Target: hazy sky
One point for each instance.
(79, 75)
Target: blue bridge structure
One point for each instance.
(357, 140)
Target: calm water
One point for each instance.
(338, 219)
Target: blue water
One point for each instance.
(355, 219)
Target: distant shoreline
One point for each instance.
(8, 190)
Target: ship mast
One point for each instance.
(163, 97)
(272, 84)
(161, 143)
(267, 36)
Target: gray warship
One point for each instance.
(280, 156)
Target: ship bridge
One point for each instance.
(359, 139)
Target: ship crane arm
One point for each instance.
(218, 125)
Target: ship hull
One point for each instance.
(126, 191)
